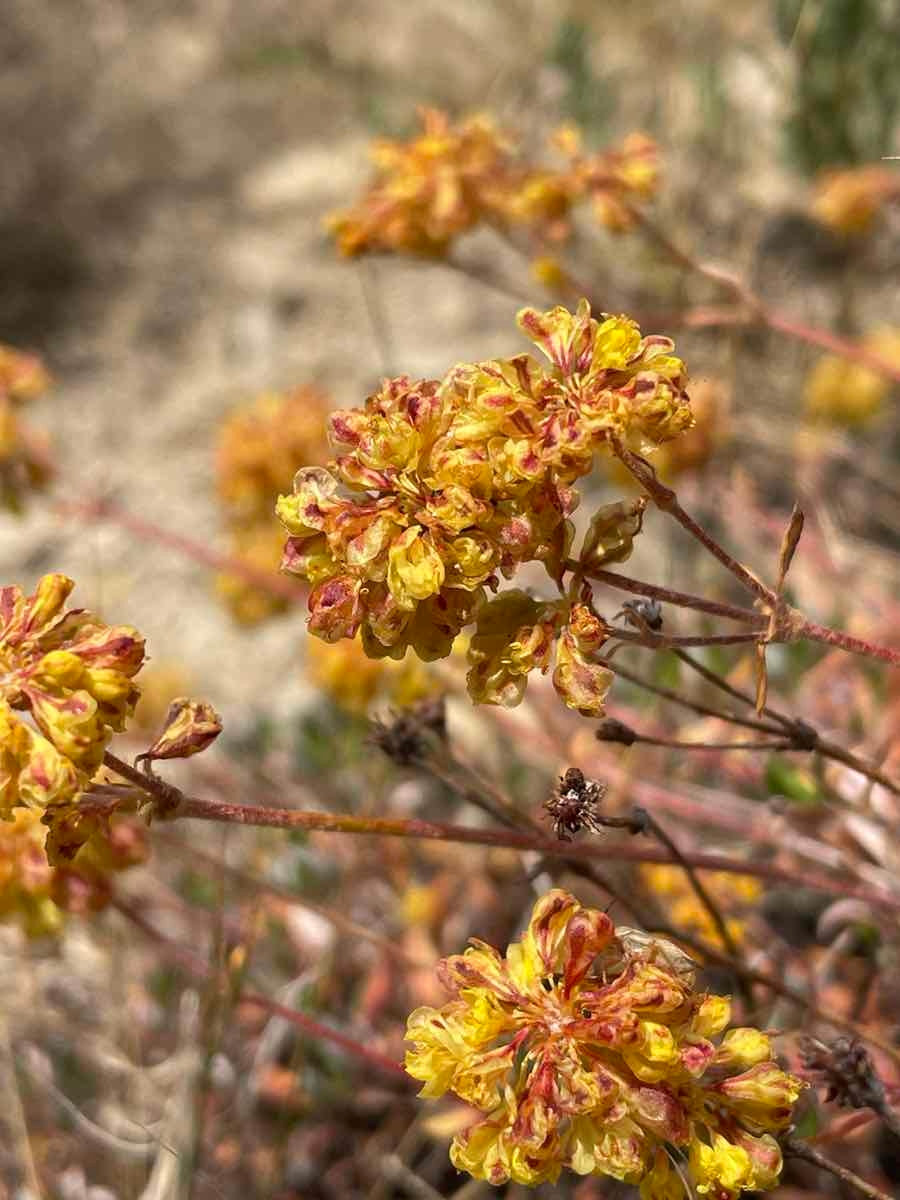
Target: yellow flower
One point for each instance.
(584, 1049)
(442, 486)
(260, 445)
(37, 894)
(450, 178)
(25, 463)
(848, 394)
(354, 681)
(721, 1169)
(73, 676)
(848, 201)
(428, 190)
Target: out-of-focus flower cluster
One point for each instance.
(848, 201)
(345, 673)
(38, 894)
(588, 1048)
(453, 177)
(733, 895)
(841, 392)
(443, 486)
(25, 463)
(66, 685)
(260, 445)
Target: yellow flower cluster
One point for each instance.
(588, 1048)
(260, 445)
(451, 178)
(354, 681)
(24, 455)
(848, 201)
(848, 394)
(442, 486)
(73, 676)
(38, 894)
(732, 893)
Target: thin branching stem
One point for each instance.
(752, 309)
(644, 739)
(800, 734)
(639, 587)
(796, 1148)
(99, 509)
(703, 710)
(196, 966)
(414, 827)
(725, 686)
(700, 890)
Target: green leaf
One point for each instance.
(795, 783)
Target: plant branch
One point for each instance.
(196, 966)
(668, 595)
(664, 498)
(798, 1149)
(413, 827)
(702, 710)
(99, 509)
(752, 309)
(801, 735)
(700, 890)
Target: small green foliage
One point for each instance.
(589, 99)
(794, 783)
(846, 89)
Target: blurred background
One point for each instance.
(166, 170)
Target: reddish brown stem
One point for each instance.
(830, 341)
(845, 641)
(103, 510)
(715, 608)
(660, 641)
(279, 818)
(753, 309)
(192, 963)
(798, 1149)
(664, 498)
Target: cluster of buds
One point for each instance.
(588, 1048)
(66, 685)
(260, 445)
(848, 201)
(25, 463)
(443, 486)
(732, 894)
(841, 392)
(38, 894)
(452, 178)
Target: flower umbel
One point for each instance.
(588, 1048)
(74, 677)
(25, 463)
(451, 178)
(260, 445)
(443, 486)
(38, 894)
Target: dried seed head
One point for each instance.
(404, 736)
(845, 1070)
(575, 805)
